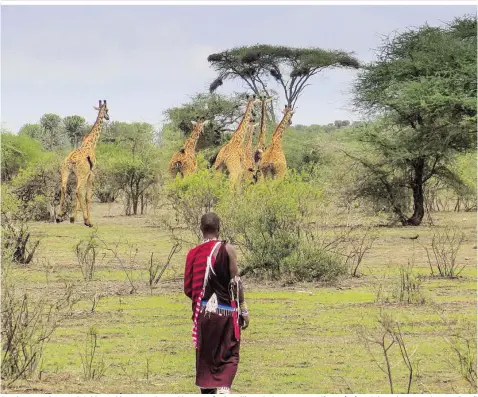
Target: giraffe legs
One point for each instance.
(83, 180)
(65, 173)
(89, 192)
(79, 200)
(75, 210)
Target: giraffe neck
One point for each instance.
(281, 127)
(238, 136)
(249, 142)
(191, 142)
(262, 135)
(91, 139)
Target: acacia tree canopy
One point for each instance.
(424, 84)
(425, 78)
(224, 112)
(291, 68)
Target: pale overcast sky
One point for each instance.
(145, 59)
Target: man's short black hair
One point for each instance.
(210, 223)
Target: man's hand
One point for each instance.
(246, 322)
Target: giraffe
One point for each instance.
(81, 162)
(231, 155)
(183, 162)
(249, 168)
(273, 162)
(261, 143)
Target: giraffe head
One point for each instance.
(199, 124)
(102, 109)
(252, 101)
(288, 111)
(265, 99)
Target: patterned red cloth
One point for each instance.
(194, 272)
(217, 355)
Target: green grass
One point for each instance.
(302, 339)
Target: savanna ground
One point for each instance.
(302, 338)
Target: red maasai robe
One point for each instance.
(217, 348)
(194, 272)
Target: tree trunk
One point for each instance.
(135, 204)
(418, 196)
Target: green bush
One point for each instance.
(310, 263)
(18, 151)
(38, 188)
(465, 169)
(193, 196)
(16, 243)
(269, 223)
(104, 187)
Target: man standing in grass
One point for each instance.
(211, 281)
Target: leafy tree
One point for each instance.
(105, 187)
(169, 142)
(464, 185)
(74, 126)
(127, 164)
(299, 146)
(133, 137)
(424, 84)
(291, 68)
(341, 123)
(34, 131)
(17, 152)
(134, 176)
(54, 137)
(224, 113)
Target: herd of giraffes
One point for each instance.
(236, 157)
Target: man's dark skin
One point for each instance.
(233, 268)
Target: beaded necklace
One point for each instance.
(209, 239)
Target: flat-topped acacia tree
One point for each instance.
(290, 67)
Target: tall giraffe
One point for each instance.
(249, 171)
(261, 143)
(273, 162)
(249, 168)
(184, 162)
(231, 155)
(81, 162)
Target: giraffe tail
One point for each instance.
(90, 162)
(212, 160)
